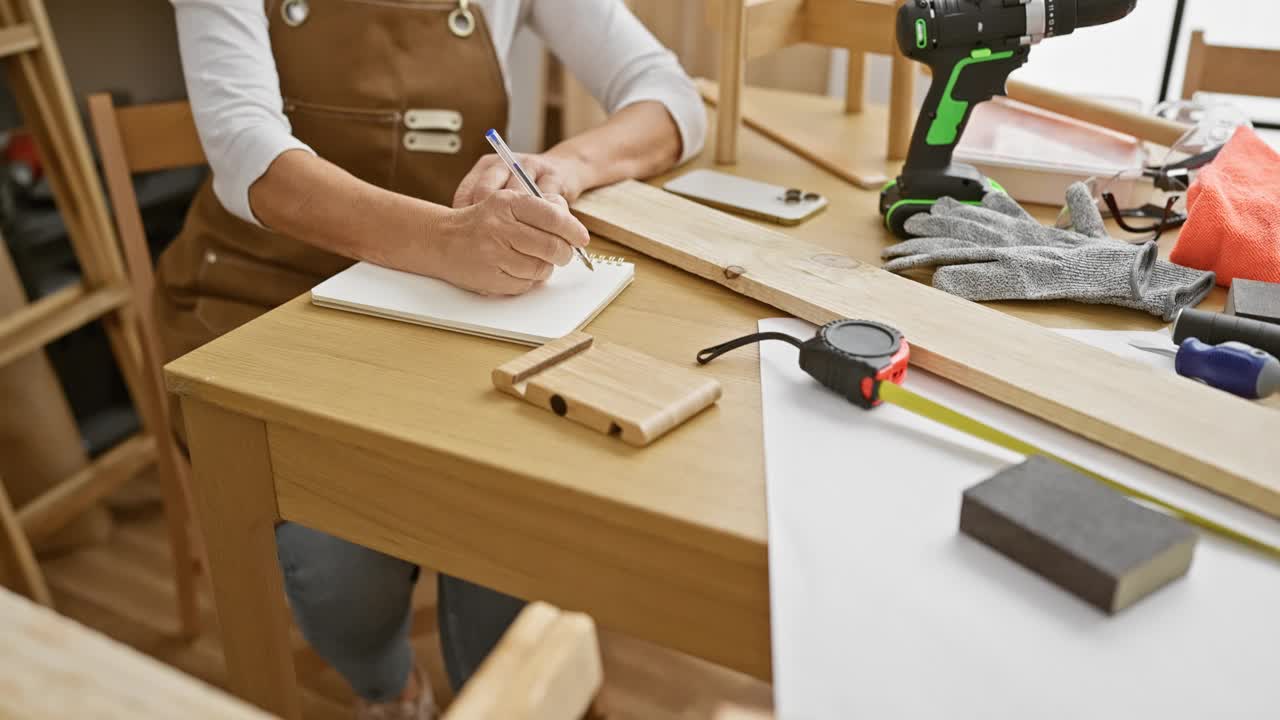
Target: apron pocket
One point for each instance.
(226, 274)
(363, 142)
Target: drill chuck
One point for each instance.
(1101, 12)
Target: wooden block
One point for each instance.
(1164, 420)
(1081, 535)
(608, 387)
(1255, 300)
(546, 666)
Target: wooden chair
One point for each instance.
(546, 667)
(16, 553)
(1230, 70)
(752, 28)
(38, 80)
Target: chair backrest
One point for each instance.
(141, 138)
(1230, 70)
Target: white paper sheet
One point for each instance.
(881, 609)
(568, 300)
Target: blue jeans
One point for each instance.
(353, 605)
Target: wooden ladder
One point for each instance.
(39, 84)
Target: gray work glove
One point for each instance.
(997, 251)
(1092, 273)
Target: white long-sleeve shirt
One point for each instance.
(235, 90)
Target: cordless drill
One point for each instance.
(972, 46)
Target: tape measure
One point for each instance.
(866, 363)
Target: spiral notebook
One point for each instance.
(570, 299)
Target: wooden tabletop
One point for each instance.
(53, 668)
(424, 396)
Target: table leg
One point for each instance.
(235, 496)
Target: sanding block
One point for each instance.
(1079, 534)
(1255, 300)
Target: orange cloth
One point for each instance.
(1233, 225)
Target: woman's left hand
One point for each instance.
(553, 175)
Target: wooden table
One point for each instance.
(56, 669)
(391, 435)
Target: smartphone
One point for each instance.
(775, 203)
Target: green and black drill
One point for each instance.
(972, 46)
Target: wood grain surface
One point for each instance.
(56, 669)
(673, 536)
(608, 387)
(1167, 421)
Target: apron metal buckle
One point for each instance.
(295, 12)
(461, 22)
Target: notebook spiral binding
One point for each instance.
(607, 259)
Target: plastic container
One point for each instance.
(1036, 154)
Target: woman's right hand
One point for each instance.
(505, 244)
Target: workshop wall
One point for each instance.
(125, 46)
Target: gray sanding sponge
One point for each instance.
(1081, 535)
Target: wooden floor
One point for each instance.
(123, 590)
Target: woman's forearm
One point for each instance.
(638, 141)
(311, 199)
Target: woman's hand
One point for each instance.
(504, 244)
(563, 176)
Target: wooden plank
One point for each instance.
(1231, 70)
(160, 136)
(1167, 421)
(235, 494)
(53, 316)
(815, 128)
(546, 667)
(859, 25)
(53, 668)
(62, 503)
(770, 24)
(1197, 56)
(15, 550)
(17, 39)
(862, 25)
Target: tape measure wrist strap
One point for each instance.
(711, 353)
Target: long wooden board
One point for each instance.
(1208, 437)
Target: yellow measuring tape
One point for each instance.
(907, 400)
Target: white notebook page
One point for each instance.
(564, 303)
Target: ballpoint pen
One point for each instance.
(504, 152)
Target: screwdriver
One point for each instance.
(1234, 367)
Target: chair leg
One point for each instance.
(15, 549)
(733, 30)
(853, 84)
(137, 368)
(901, 107)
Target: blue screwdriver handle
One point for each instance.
(1233, 366)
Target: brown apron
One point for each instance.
(396, 92)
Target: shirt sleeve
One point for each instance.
(620, 62)
(235, 94)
